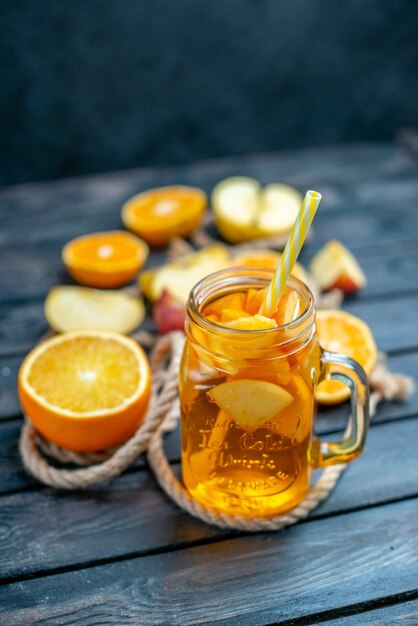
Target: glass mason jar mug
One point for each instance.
(247, 403)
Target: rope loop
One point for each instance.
(162, 416)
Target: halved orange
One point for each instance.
(86, 390)
(108, 259)
(342, 332)
(267, 259)
(158, 215)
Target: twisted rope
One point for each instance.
(386, 386)
(162, 417)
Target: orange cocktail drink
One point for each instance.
(247, 387)
(247, 394)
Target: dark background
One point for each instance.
(95, 85)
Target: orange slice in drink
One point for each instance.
(159, 215)
(254, 322)
(86, 390)
(251, 403)
(342, 332)
(105, 260)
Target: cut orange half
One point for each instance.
(105, 260)
(86, 390)
(342, 332)
(159, 215)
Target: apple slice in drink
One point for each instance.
(251, 403)
(290, 307)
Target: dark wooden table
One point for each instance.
(123, 553)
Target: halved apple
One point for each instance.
(244, 210)
(69, 307)
(180, 276)
(251, 403)
(335, 267)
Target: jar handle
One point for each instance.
(348, 371)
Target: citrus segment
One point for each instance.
(108, 259)
(250, 402)
(255, 322)
(230, 301)
(342, 332)
(228, 315)
(71, 308)
(159, 215)
(86, 390)
(255, 298)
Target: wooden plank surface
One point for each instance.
(122, 553)
(404, 614)
(379, 171)
(119, 519)
(394, 324)
(248, 581)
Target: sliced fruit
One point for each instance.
(228, 315)
(214, 318)
(249, 402)
(342, 332)
(244, 210)
(159, 215)
(254, 322)
(267, 259)
(289, 308)
(255, 298)
(230, 301)
(336, 267)
(69, 308)
(108, 259)
(180, 276)
(169, 314)
(295, 421)
(86, 390)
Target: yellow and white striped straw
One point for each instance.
(291, 252)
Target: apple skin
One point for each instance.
(168, 313)
(335, 267)
(347, 284)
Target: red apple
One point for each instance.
(334, 267)
(169, 314)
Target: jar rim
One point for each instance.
(239, 274)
